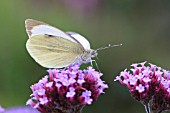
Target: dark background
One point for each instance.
(142, 26)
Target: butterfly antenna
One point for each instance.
(108, 46)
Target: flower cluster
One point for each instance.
(148, 82)
(20, 109)
(1, 109)
(66, 90)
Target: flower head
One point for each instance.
(67, 89)
(21, 109)
(148, 82)
(1, 109)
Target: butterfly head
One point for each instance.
(87, 55)
(93, 53)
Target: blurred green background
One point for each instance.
(142, 26)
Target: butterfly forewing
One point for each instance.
(34, 27)
(53, 51)
(30, 24)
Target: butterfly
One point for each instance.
(53, 48)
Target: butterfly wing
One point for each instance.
(51, 47)
(34, 27)
(80, 39)
(53, 51)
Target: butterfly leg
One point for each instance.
(95, 64)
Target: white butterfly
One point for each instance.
(53, 48)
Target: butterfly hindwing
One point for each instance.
(53, 51)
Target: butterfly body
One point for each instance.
(53, 48)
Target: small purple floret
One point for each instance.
(140, 88)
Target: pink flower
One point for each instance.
(1, 109)
(66, 89)
(21, 109)
(148, 82)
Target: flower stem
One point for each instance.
(147, 108)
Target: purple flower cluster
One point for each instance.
(148, 82)
(1, 109)
(66, 90)
(20, 109)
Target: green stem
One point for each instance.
(147, 108)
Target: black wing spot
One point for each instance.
(49, 36)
